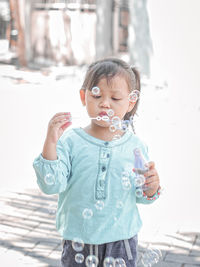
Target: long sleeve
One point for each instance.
(52, 175)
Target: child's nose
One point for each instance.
(105, 103)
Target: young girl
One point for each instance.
(92, 168)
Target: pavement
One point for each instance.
(27, 231)
(29, 237)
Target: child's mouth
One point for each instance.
(103, 113)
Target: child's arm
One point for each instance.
(56, 127)
(52, 167)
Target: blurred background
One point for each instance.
(45, 48)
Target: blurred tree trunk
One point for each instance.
(19, 9)
(103, 28)
(140, 44)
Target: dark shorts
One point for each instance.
(125, 249)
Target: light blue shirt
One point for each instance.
(92, 177)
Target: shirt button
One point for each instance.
(102, 183)
(103, 169)
(108, 155)
(106, 143)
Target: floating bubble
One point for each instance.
(77, 244)
(139, 192)
(79, 258)
(119, 204)
(157, 251)
(126, 185)
(116, 121)
(49, 179)
(98, 118)
(139, 180)
(95, 90)
(132, 97)
(110, 112)
(91, 261)
(105, 118)
(116, 137)
(109, 262)
(99, 205)
(151, 257)
(119, 262)
(87, 213)
(52, 209)
(125, 174)
(124, 127)
(131, 119)
(112, 128)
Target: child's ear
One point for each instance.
(131, 106)
(82, 96)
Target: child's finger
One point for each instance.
(61, 118)
(61, 123)
(67, 124)
(150, 173)
(152, 179)
(151, 164)
(59, 114)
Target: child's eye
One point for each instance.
(96, 96)
(113, 98)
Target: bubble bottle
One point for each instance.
(140, 167)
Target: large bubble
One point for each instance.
(87, 213)
(79, 258)
(109, 262)
(49, 179)
(91, 261)
(95, 90)
(77, 244)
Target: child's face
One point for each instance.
(113, 95)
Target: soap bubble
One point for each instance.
(131, 119)
(119, 204)
(139, 192)
(77, 244)
(105, 118)
(87, 213)
(91, 261)
(52, 209)
(116, 121)
(109, 262)
(150, 257)
(98, 118)
(95, 90)
(126, 183)
(112, 128)
(119, 262)
(79, 258)
(139, 180)
(132, 97)
(49, 179)
(125, 173)
(124, 127)
(99, 205)
(110, 112)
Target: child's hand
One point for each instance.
(152, 179)
(57, 126)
